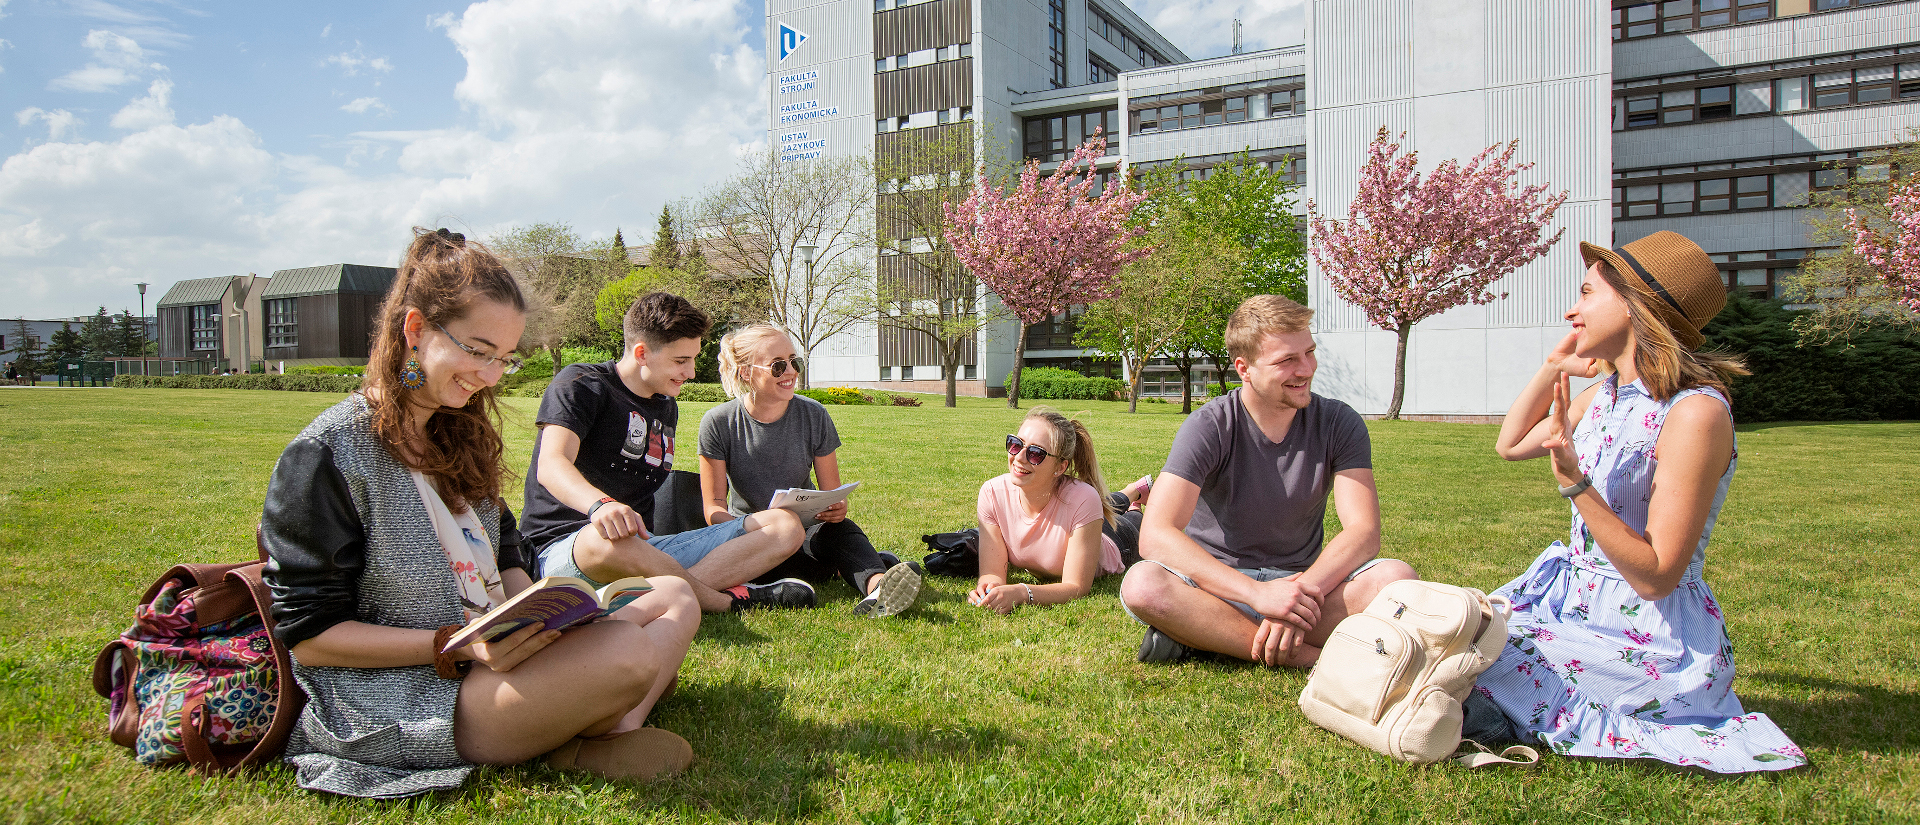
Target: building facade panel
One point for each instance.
(922, 26)
(1360, 50)
(1803, 36)
(1798, 133)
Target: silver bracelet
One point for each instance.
(1029, 593)
(1577, 487)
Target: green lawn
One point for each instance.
(950, 714)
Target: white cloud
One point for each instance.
(592, 112)
(59, 122)
(352, 62)
(326, 30)
(362, 105)
(1204, 28)
(147, 112)
(117, 60)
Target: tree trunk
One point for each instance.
(1136, 367)
(1220, 371)
(1399, 372)
(806, 353)
(950, 362)
(1186, 383)
(1019, 359)
(559, 360)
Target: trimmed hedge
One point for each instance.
(854, 395)
(292, 383)
(1876, 375)
(691, 391)
(1056, 383)
(359, 370)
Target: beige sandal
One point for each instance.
(644, 754)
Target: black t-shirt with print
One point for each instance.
(626, 446)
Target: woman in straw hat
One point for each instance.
(1618, 647)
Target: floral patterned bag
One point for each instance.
(199, 677)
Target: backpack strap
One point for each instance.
(1475, 755)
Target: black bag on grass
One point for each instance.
(955, 555)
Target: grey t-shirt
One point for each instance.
(1262, 504)
(762, 458)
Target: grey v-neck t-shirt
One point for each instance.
(1264, 504)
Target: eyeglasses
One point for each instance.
(509, 364)
(779, 366)
(1035, 455)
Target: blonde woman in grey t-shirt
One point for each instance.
(767, 438)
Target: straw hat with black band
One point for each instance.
(1676, 277)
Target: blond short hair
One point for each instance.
(1260, 316)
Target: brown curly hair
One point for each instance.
(442, 275)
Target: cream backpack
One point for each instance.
(1392, 678)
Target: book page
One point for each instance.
(808, 504)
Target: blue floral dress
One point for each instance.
(1592, 669)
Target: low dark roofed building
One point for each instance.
(323, 314)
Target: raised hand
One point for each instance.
(1559, 440)
(1564, 360)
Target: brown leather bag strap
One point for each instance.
(292, 699)
(195, 575)
(195, 721)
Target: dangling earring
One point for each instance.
(412, 376)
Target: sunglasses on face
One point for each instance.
(1035, 455)
(779, 366)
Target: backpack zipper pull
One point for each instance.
(1380, 646)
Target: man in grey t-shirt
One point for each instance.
(1234, 558)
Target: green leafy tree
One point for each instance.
(65, 346)
(561, 274)
(129, 335)
(1847, 294)
(98, 337)
(26, 349)
(1160, 300)
(1249, 207)
(665, 253)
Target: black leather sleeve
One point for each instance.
(316, 546)
(513, 546)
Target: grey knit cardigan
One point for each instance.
(367, 732)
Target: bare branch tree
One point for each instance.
(755, 225)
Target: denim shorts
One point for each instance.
(1259, 574)
(686, 548)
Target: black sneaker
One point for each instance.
(896, 593)
(887, 560)
(782, 593)
(1159, 647)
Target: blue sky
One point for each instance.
(158, 140)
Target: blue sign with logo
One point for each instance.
(790, 39)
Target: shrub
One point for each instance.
(292, 383)
(691, 391)
(1056, 383)
(356, 370)
(1876, 375)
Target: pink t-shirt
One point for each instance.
(1039, 542)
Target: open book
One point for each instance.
(559, 602)
(809, 503)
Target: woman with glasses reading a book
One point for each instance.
(1051, 515)
(768, 438)
(386, 535)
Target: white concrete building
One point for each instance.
(1668, 98)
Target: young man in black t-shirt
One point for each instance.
(605, 444)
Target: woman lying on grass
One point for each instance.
(765, 438)
(386, 532)
(1618, 648)
(1051, 515)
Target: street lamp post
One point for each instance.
(143, 328)
(806, 254)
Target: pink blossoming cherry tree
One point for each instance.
(1412, 248)
(1893, 250)
(1046, 244)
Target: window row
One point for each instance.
(1130, 44)
(1641, 18)
(1057, 40)
(1291, 164)
(922, 57)
(282, 323)
(204, 326)
(1219, 111)
(921, 120)
(1050, 138)
(1099, 71)
(1771, 274)
(1815, 90)
(884, 5)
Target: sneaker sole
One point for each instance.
(898, 591)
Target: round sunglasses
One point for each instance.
(1035, 455)
(779, 366)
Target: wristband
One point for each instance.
(604, 500)
(1029, 593)
(444, 664)
(1577, 487)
